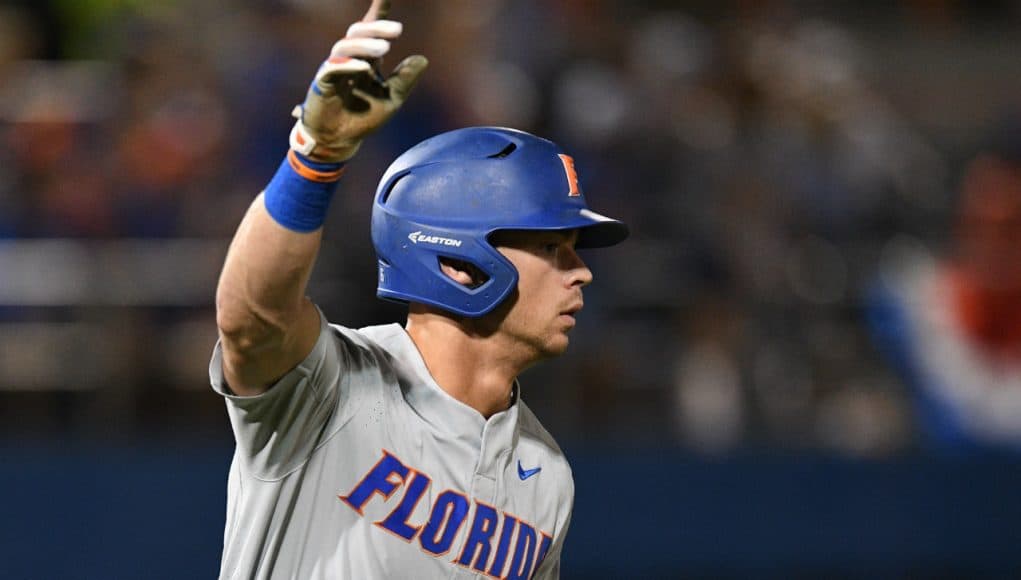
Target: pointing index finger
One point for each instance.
(378, 10)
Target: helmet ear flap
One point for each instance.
(411, 266)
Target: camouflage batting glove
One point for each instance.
(349, 99)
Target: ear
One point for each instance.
(458, 271)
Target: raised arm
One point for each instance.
(266, 324)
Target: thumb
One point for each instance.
(405, 76)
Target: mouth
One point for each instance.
(572, 310)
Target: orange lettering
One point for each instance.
(572, 175)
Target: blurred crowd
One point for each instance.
(776, 161)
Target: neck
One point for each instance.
(475, 367)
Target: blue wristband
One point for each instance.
(299, 195)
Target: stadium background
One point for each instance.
(724, 403)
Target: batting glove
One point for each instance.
(349, 99)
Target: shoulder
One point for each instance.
(377, 342)
(386, 336)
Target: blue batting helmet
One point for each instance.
(445, 196)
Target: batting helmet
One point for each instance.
(445, 196)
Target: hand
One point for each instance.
(349, 99)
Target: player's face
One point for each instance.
(550, 278)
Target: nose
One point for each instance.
(578, 273)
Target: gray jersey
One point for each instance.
(357, 465)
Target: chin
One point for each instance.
(556, 346)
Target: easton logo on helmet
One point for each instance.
(417, 237)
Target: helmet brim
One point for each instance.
(599, 231)
(594, 230)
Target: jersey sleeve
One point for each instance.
(277, 431)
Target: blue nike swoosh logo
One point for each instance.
(526, 473)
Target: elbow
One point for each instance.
(242, 328)
(230, 314)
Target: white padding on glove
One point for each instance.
(389, 29)
(300, 139)
(360, 48)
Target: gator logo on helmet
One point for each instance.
(419, 237)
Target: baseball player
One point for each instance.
(390, 451)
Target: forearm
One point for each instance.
(266, 323)
(266, 271)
